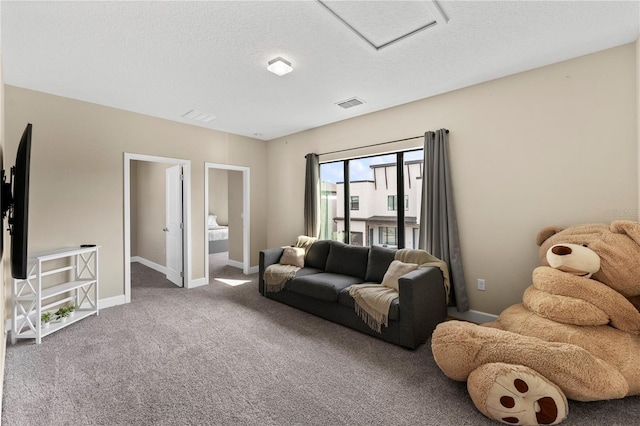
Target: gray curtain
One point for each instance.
(312, 196)
(438, 224)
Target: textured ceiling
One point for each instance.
(167, 58)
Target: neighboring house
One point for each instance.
(373, 206)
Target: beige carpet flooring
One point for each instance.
(222, 354)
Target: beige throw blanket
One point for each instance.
(277, 275)
(373, 301)
(424, 259)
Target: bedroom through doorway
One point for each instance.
(157, 206)
(227, 223)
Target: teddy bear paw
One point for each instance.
(516, 395)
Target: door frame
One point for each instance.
(186, 215)
(246, 214)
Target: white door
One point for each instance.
(174, 227)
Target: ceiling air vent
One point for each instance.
(350, 103)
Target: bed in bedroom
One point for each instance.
(218, 236)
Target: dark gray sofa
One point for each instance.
(321, 288)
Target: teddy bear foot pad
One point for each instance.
(517, 395)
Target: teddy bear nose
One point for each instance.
(561, 250)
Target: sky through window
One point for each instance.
(360, 168)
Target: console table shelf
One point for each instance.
(31, 297)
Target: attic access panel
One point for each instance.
(382, 23)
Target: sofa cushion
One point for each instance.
(395, 271)
(379, 260)
(317, 254)
(346, 300)
(323, 286)
(307, 271)
(347, 260)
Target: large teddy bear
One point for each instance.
(576, 335)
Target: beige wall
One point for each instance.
(77, 174)
(219, 195)
(235, 215)
(555, 145)
(148, 210)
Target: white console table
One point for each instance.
(74, 277)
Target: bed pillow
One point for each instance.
(212, 221)
(293, 256)
(395, 271)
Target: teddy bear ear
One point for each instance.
(627, 227)
(545, 233)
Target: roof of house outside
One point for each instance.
(385, 219)
(375, 166)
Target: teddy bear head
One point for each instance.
(607, 253)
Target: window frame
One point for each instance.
(392, 203)
(400, 192)
(384, 231)
(355, 198)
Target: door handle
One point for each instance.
(166, 229)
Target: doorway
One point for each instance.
(238, 214)
(180, 203)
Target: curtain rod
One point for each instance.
(375, 144)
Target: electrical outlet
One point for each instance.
(481, 284)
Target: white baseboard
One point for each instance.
(163, 270)
(150, 264)
(477, 317)
(235, 264)
(111, 301)
(240, 265)
(199, 282)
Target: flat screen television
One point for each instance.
(15, 203)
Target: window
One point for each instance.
(328, 200)
(355, 202)
(353, 198)
(392, 202)
(387, 235)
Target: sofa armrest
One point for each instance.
(267, 257)
(423, 304)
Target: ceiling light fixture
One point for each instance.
(279, 66)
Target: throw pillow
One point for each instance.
(293, 256)
(212, 221)
(395, 271)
